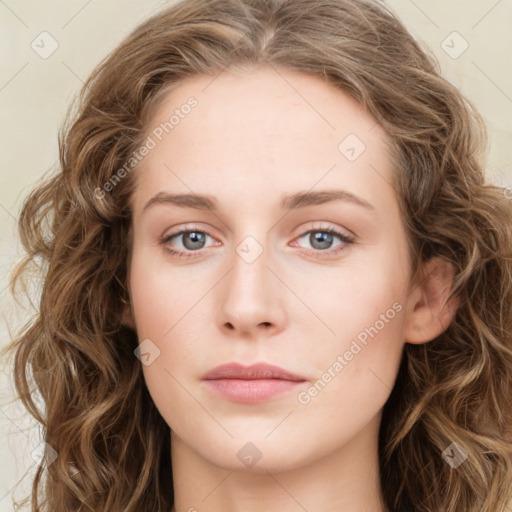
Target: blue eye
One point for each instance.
(321, 240)
(193, 243)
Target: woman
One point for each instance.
(276, 278)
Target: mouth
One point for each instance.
(251, 384)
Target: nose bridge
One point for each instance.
(250, 297)
(249, 277)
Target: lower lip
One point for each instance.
(251, 391)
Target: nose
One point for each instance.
(252, 295)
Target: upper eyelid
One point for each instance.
(316, 227)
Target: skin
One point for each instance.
(255, 137)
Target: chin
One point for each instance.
(255, 456)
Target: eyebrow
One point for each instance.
(292, 202)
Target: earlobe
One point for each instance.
(429, 312)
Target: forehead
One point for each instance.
(260, 130)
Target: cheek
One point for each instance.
(161, 294)
(163, 301)
(360, 299)
(361, 362)
(355, 374)
(364, 309)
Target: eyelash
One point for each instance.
(347, 240)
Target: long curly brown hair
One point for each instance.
(113, 446)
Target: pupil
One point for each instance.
(325, 239)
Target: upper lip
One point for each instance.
(255, 371)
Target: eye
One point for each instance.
(321, 240)
(192, 240)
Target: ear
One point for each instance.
(429, 313)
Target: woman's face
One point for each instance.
(279, 159)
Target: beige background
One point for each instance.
(35, 92)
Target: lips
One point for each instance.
(250, 384)
(253, 372)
